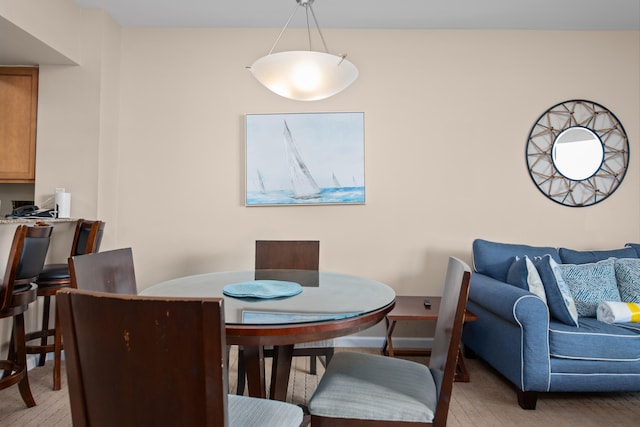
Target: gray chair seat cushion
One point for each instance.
(253, 412)
(374, 387)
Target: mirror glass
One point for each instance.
(577, 153)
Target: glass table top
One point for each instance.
(325, 296)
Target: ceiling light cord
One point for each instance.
(293, 12)
(307, 6)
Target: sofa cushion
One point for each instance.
(635, 246)
(593, 340)
(559, 299)
(494, 259)
(590, 284)
(524, 274)
(570, 256)
(628, 279)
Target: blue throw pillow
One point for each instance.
(628, 278)
(559, 299)
(590, 284)
(569, 256)
(524, 274)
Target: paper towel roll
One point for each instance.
(63, 204)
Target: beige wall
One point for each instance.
(147, 134)
(447, 115)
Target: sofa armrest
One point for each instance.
(512, 332)
(499, 297)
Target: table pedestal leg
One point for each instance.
(280, 370)
(254, 366)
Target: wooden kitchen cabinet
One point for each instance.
(18, 118)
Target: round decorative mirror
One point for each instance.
(577, 153)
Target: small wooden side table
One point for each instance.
(413, 308)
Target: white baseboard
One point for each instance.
(378, 342)
(32, 359)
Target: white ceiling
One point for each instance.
(416, 14)
(25, 49)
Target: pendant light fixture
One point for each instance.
(304, 75)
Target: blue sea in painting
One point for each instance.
(341, 195)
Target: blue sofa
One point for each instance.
(520, 335)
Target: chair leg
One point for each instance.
(45, 327)
(11, 353)
(57, 353)
(242, 374)
(21, 359)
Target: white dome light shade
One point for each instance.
(304, 75)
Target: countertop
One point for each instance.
(31, 220)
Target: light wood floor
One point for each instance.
(486, 401)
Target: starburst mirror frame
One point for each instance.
(557, 123)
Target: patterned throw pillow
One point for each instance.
(523, 274)
(628, 278)
(590, 284)
(559, 299)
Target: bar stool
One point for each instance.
(87, 238)
(26, 258)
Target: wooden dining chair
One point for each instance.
(26, 259)
(109, 271)
(289, 255)
(86, 239)
(146, 361)
(360, 389)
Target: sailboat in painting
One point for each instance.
(302, 182)
(336, 183)
(263, 190)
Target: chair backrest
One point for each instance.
(287, 254)
(135, 360)
(26, 259)
(446, 342)
(87, 237)
(109, 271)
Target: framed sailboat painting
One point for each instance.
(304, 159)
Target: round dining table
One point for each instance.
(325, 305)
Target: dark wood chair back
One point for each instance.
(109, 271)
(87, 237)
(26, 259)
(446, 342)
(135, 360)
(287, 254)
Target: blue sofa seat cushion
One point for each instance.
(570, 256)
(593, 340)
(494, 259)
